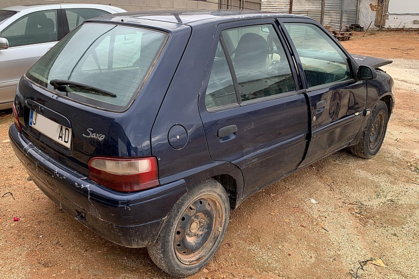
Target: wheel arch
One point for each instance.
(227, 174)
(230, 185)
(389, 101)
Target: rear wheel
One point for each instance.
(374, 133)
(194, 229)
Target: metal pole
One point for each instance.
(382, 15)
(341, 14)
(322, 12)
(367, 29)
(291, 3)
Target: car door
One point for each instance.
(30, 37)
(252, 112)
(337, 98)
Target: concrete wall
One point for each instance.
(129, 5)
(367, 13)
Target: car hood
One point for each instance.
(371, 61)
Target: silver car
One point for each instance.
(28, 32)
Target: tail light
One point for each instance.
(124, 175)
(16, 119)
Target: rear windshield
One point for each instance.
(5, 14)
(102, 65)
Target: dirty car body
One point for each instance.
(196, 104)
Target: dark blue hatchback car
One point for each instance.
(149, 128)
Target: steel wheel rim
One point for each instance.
(377, 131)
(198, 229)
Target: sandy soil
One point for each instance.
(367, 209)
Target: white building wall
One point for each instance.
(403, 7)
(403, 14)
(367, 12)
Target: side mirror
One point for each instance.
(367, 73)
(4, 43)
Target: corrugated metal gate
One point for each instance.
(276, 6)
(240, 4)
(336, 13)
(340, 13)
(311, 8)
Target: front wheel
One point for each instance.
(193, 231)
(374, 133)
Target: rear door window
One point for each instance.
(220, 90)
(34, 28)
(75, 17)
(259, 61)
(111, 61)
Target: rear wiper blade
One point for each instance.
(90, 89)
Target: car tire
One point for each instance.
(193, 231)
(373, 135)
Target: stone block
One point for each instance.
(167, 4)
(180, 4)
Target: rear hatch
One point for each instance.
(97, 92)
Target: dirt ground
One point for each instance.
(367, 209)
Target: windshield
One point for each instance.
(5, 14)
(98, 58)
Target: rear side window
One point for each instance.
(34, 28)
(76, 16)
(102, 65)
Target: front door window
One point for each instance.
(322, 60)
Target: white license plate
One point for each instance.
(51, 129)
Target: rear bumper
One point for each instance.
(127, 219)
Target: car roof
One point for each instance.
(192, 17)
(50, 5)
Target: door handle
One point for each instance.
(320, 106)
(227, 131)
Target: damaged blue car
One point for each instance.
(149, 128)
